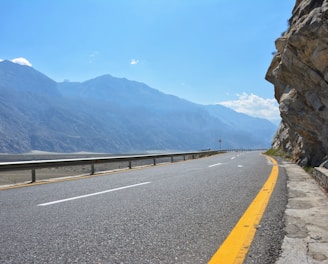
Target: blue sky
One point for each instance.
(205, 51)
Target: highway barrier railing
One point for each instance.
(41, 164)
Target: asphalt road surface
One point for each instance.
(173, 213)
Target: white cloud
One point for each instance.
(254, 105)
(134, 62)
(22, 61)
(1, 60)
(93, 55)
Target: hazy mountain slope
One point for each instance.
(123, 92)
(32, 122)
(24, 78)
(256, 126)
(147, 118)
(109, 114)
(203, 125)
(34, 115)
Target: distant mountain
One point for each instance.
(241, 122)
(24, 78)
(109, 114)
(123, 92)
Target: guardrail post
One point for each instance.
(130, 164)
(33, 176)
(92, 168)
(171, 159)
(193, 156)
(154, 161)
(184, 157)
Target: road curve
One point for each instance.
(173, 213)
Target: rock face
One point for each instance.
(299, 72)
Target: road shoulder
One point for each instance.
(306, 218)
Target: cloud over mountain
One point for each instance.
(254, 105)
(22, 61)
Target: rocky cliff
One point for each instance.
(299, 72)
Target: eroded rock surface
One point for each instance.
(299, 72)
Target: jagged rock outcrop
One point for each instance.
(299, 72)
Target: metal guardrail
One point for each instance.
(40, 164)
(243, 150)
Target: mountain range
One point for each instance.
(113, 115)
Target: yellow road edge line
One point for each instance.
(235, 248)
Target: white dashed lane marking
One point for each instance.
(93, 194)
(217, 164)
